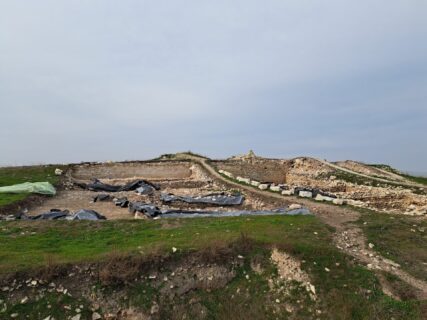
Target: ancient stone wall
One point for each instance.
(151, 171)
(260, 170)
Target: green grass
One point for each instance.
(251, 298)
(6, 199)
(58, 306)
(349, 291)
(168, 156)
(141, 295)
(386, 167)
(14, 175)
(191, 153)
(401, 288)
(400, 238)
(26, 244)
(420, 180)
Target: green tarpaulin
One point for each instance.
(30, 187)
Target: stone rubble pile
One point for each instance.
(304, 192)
(307, 175)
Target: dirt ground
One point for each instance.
(179, 178)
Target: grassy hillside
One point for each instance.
(420, 180)
(346, 291)
(400, 238)
(26, 244)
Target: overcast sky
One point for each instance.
(115, 80)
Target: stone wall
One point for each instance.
(129, 170)
(260, 170)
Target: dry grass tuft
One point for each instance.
(121, 268)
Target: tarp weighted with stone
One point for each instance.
(149, 210)
(207, 214)
(152, 211)
(30, 187)
(97, 185)
(101, 197)
(86, 215)
(56, 214)
(220, 199)
(121, 202)
(53, 214)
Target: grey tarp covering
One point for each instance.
(206, 214)
(30, 187)
(101, 197)
(56, 214)
(86, 215)
(220, 199)
(149, 210)
(53, 214)
(147, 189)
(152, 211)
(121, 202)
(97, 185)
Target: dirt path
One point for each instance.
(348, 236)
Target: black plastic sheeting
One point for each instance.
(152, 211)
(97, 185)
(121, 202)
(101, 197)
(149, 210)
(87, 215)
(56, 214)
(207, 214)
(147, 189)
(220, 199)
(53, 214)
